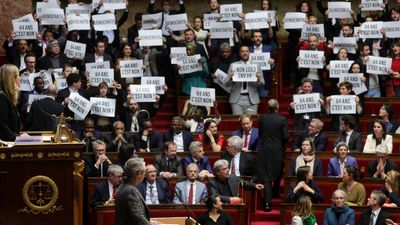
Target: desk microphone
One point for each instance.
(189, 220)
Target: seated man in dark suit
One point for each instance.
(241, 163)
(190, 191)
(379, 167)
(167, 163)
(88, 134)
(105, 191)
(96, 165)
(197, 156)
(180, 137)
(375, 212)
(120, 142)
(226, 185)
(154, 190)
(148, 140)
(314, 132)
(348, 135)
(248, 133)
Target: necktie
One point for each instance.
(246, 140)
(114, 191)
(244, 86)
(190, 198)
(233, 166)
(371, 219)
(151, 194)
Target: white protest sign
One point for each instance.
(256, 20)
(230, 12)
(222, 79)
(151, 21)
(96, 76)
(312, 29)
(339, 67)
(32, 98)
(371, 30)
(25, 84)
(53, 16)
(26, 18)
(131, 68)
(103, 106)
(343, 104)
(339, 9)
(262, 59)
(294, 20)
(348, 43)
(157, 81)
(41, 7)
(202, 96)
(78, 9)
(392, 29)
(311, 59)
(143, 93)
(75, 50)
(58, 73)
(210, 18)
(79, 105)
(371, 5)
(97, 65)
(244, 72)
(271, 16)
(46, 76)
(78, 22)
(306, 103)
(114, 4)
(221, 30)
(61, 83)
(25, 30)
(379, 65)
(176, 22)
(358, 86)
(189, 64)
(104, 22)
(150, 38)
(177, 53)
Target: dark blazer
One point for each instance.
(91, 170)
(265, 48)
(315, 198)
(160, 162)
(390, 165)
(156, 141)
(382, 216)
(63, 94)
(317, 169)
(320, 141)
(89, 58)
(44, 62)
(9, 119)
(217, 187)
(162, 190)
(354, 142)
(101, 194)
(130, 207)
(253, 137)
(203, 164)
(133, 32)
(40, 116)
(126, 150)
(186, 135)
(246, 163)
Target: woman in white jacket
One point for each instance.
(379, 136)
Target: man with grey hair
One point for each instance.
(314, 132)
(105, 191)
(190, 191)
(227, 185)
(375, 215)
(197, 156)
(121, 142)
(241, 163)
(180, 137)
(379, 167)
(96, 165)
(40, 117)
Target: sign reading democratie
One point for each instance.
(311, 59)
(392, 29)
(312, 29)
(114, 4)
(78, 9)
(339, 67)
(379, 65)
(177, 53)
(131, 68)
(221, 30)
(371, 30)
(294, 20)
(256, 20)
(176, 22)
(79, 105)
(358, 86)
(349, 43)
(202, 96)
(75, 50)
(307, 103)
(230, 12)
(189, 64)
(372, 5)
(222, 79)
(339, 9)
(343, 104)
(143, 93)
(78, 22)
(151, 21)
(157, 81)
(53, 16)
(271, 16)
(103, 106)
(150, 38)
(244, 72)
(25, 30)
(104, 22)
(96, 76)
(262, 59)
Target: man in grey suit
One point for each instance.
(190, 191)
(244, 95)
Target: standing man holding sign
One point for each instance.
(244, 95)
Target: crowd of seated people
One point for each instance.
(129, 132)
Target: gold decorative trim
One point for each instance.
(3, 156)
(39, 155)
(77, 154)
(58, 154)
(28, 155)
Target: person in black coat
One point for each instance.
(273, 135)
(121, 142)
(152, 183)
(379, 167)
(88, 134)
(53, 59)
(168, 164)
(133, 31)
(314, 132)
(148, 140)
(100, 49)
(375, 203)
(244, 162)
(101, 193)
(347, 128)
(96, 165)
(177, 132)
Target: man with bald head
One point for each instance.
(40, 115)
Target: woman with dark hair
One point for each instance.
(379, 136)
(215, 215)
(304, 186)
(126, 54)
(306, 157)
(338, 163)
(302, 212)
(211, 139)
(355, 190)
(386, 114)
(395, 70)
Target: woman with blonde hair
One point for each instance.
(392, 189)
(9, 118)
(302, 213)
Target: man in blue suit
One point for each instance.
(248, 133)
(154, 190)
(190, 191)
(176, 134)
(197, 157)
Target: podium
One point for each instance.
(41, 183)
(176, 220)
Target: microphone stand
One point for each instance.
(189, 220)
